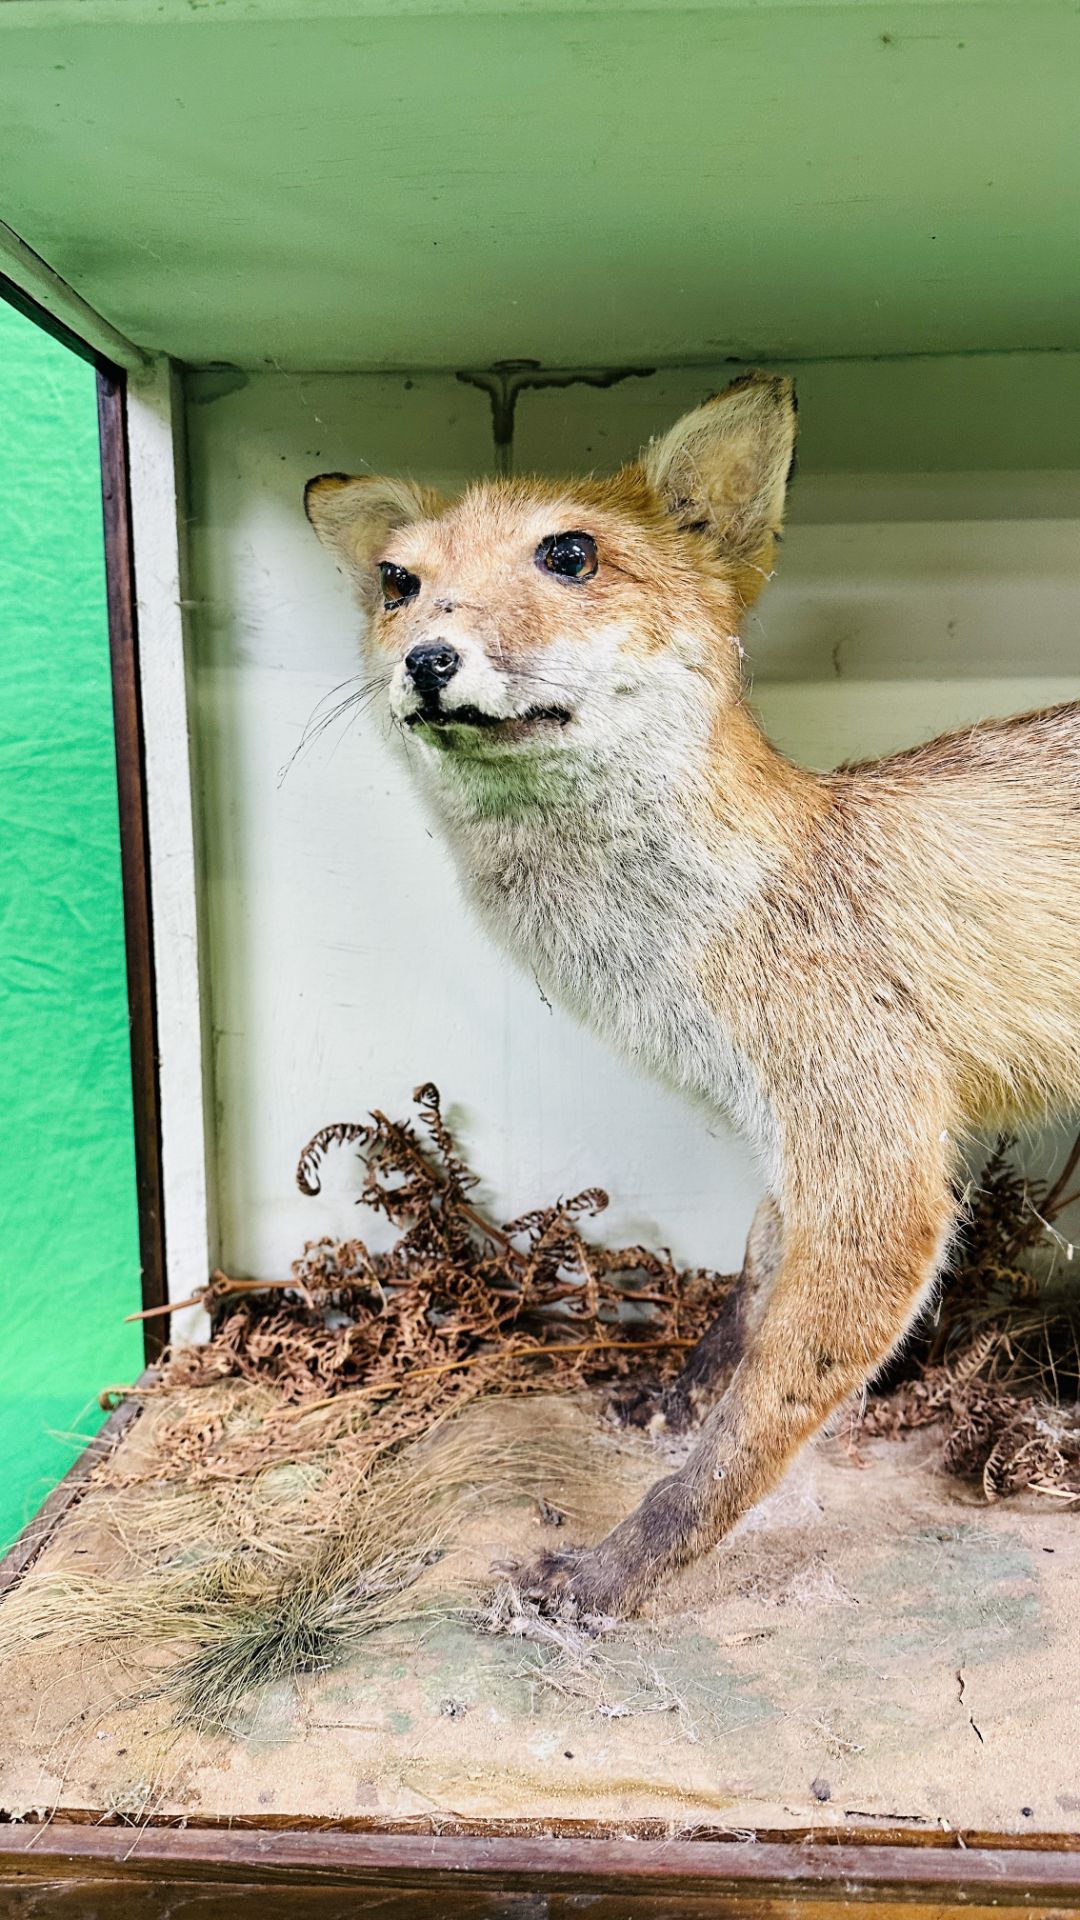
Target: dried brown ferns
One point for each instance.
(460, 1306)
(458, 1303)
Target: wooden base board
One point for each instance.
(58, 1870)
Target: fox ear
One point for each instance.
(353, 516)
(723, 470)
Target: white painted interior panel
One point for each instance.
(344, 969)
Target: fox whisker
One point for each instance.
(317, 723)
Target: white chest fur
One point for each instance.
(605, 895)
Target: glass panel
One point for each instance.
(69, 1255)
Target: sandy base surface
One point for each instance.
(873, 1650)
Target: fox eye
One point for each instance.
(571, 555)
(398, 583)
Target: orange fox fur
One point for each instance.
(862, 967)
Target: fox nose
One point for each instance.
(430, 667)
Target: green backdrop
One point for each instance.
(69, 1267)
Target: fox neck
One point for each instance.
(609, 872)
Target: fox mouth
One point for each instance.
(432, 716)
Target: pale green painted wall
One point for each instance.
(363, 183)
(924, 585)
(69, 1267)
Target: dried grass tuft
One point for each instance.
(322, 1567)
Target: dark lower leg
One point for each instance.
(710, 1365)
(823, 1333)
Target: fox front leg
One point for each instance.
(832, 1318)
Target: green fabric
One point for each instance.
(69, 1265)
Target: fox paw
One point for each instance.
(578, 1584)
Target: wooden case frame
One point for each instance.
(131, 793)
(139, 416)
(68, 1869)
(82, 1865)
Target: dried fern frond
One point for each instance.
(527, 1300)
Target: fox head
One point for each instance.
(533, 617)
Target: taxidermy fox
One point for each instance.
(862, 967)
